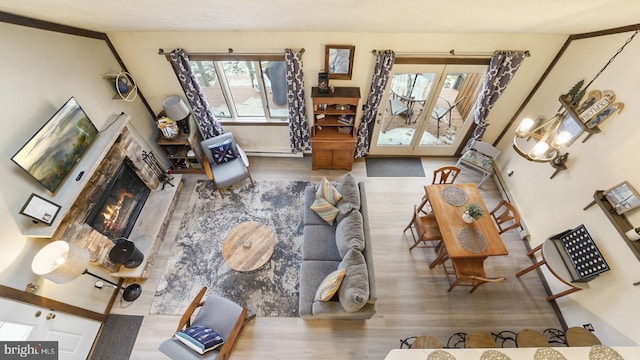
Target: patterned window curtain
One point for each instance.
(502, 67)
(207, 122)
(298, 126)
(384, 63)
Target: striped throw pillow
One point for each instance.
(327, 191)
(325, 210)
(330, 285)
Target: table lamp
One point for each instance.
(175, 109)
(62, 262)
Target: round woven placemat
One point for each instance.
(454, 196)
(472, 241)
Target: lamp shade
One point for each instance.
(60, 261)
(175, 108)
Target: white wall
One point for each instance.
(40, 71)
(139, 50)
(606, 159)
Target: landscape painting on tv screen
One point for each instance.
(50, 155)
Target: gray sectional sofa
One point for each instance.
(345, 244)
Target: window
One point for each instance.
(244, 88)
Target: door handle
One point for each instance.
(51, 316)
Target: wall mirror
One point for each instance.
(338, 61)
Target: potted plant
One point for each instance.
(472, 212)
(634, 234)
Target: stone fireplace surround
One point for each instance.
(122, 142)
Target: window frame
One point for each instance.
(226, 91)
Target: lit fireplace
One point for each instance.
(116, 211)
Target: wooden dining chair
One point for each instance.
(478, 339)
(443, 175)
(505, 216)
(579, 336)
(466, 272)
(424, 230)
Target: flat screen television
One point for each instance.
(51, 154)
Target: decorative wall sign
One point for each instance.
(598, 106)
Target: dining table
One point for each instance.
(466, 244)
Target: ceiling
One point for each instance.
(392, 16)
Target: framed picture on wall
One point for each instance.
(338, 61)
(40, 209)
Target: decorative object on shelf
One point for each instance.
(558, 163)
(61, 262)
(125, 253)
(572, 119)
(323, 83)
(176, 110)
(40, 209)
(338, 61)
(623, 197)
(168, 128)
(124, 85)
(633, 234)
(472, 212)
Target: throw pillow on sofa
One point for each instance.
(348, 187)
(350, 233)
(324, 209)
(329, 192)
(330, 285)
(353, 294)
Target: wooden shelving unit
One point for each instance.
(177, 151)
(333, 143)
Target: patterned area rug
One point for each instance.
(196, 258)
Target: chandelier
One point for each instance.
(549, 135)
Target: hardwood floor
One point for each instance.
(412, 299)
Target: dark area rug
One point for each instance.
(118, 335)
(196, 258)
(394, 167)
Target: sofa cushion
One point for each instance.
(319, 243)
(325, 210)
(311, 275)
(350, 201)
(329, 192)
(350, 233)
(330, 285)
(354, 291)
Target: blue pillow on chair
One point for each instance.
(199, 338)
(223, 152)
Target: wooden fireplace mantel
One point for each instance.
(78, 179)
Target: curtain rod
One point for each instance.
(229, 52)
(451, 52)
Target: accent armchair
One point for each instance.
(217, 313)
(225, 162)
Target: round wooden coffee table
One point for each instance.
(248, 246)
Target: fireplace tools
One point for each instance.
(153, 163)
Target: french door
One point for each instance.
(427, 109)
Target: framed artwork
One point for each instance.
(623, 197)
(338, 61)
(40, 209)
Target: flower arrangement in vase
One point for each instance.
(472, 212)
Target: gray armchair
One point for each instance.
(222, 315)
(225, 162)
